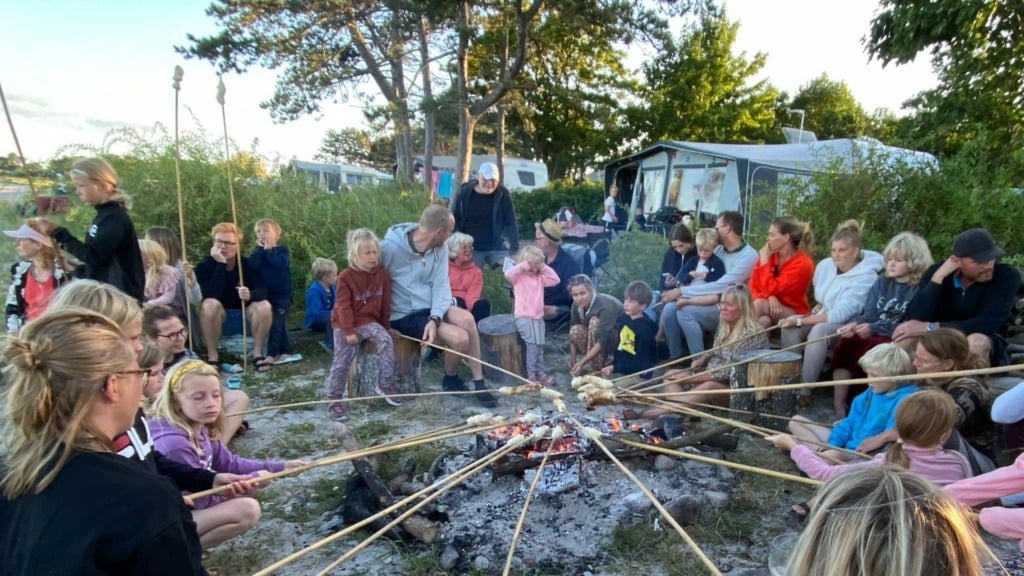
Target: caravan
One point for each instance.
(332, 177)
(706, 178)
(516, 174)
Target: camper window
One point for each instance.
(526, 178)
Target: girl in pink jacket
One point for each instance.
(529, 278)
(924, 421)
(1006, 481)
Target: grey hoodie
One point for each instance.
(417, 282)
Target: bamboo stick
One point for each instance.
(441, 486)
(691, 356)
(338, 458)
(906, 377)
(681, 408)
(352, 528)
(522, 514)
(726, 463)
(661, 382)
(355, 399)
(463, 355)
(17, 146)
(596, 438)
(179, 73)
(761, 414)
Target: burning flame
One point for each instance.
(613, 423)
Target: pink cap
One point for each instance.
(29, 234)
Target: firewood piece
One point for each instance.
(501, 345)
(416, 526)
(764, 368)
(403, 476)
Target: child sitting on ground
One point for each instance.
(360, 313)
(703, 266)
(637, 352)
(320, 298)
(529, 278)
(924, 420)
(274, 263)
(162, 280)
(870, 424)
(186, 421)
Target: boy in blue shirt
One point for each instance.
(320, 297)
(870, 425)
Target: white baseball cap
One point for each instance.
(489, 171)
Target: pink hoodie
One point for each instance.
(529, 288)
(1005, 481)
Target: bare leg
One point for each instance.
(235, 401)
(211, 320)
(261, 315)
(467, 323)
(840, 392)
(226, 520)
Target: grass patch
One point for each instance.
(421, 563)
(298, 441)
(371, 430)
(318, 496)
(290, 391)
(634, 548)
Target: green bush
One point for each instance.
(541, 203)
(634, 256)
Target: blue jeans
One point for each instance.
(277, 340)
(687, 324)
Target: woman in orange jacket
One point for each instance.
(783, 272)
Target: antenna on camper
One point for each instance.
(800, 138)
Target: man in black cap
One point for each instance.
(968, 291)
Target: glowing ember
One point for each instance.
(613, 423)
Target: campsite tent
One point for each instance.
(709, 178)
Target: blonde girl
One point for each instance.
(162, 280)
(361, 312)
(187, 418)
(110, 250)
(73, 385)
(529, 278)
(884, 521)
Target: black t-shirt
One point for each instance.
(101, 515)
(637, 350)
(479, 221)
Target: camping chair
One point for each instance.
(599, 252)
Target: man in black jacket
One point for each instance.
(968, 291)
(483, 209)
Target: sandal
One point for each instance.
(263, 364)
(800, 511)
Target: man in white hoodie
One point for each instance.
(841, 284)
(416, 258)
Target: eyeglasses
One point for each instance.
(173, 335)
(143, 374)
(722, 226)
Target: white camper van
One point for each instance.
(516, 174)
(332, 177)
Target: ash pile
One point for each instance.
(578, 501)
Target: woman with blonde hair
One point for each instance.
(73, 386)
(885, 307)
(738, 332)
(884, 521)
(35, 278)
(841, 282)
(110, 251)
(162, 280)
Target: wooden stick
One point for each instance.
(761, 414)
(905, 377)
(661, 382)
(352, 528)
(522, 514)
(338, 458)
(179, 73)
(440, 487)
(17, 145)
(685, 358)
(463, 355)
(682, 408)
(234, 217)
(726, 463)
(654, 500)
(356, 399)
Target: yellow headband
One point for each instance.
(184, 368)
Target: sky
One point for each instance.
(72, 70)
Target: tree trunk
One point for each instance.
(429, 108)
